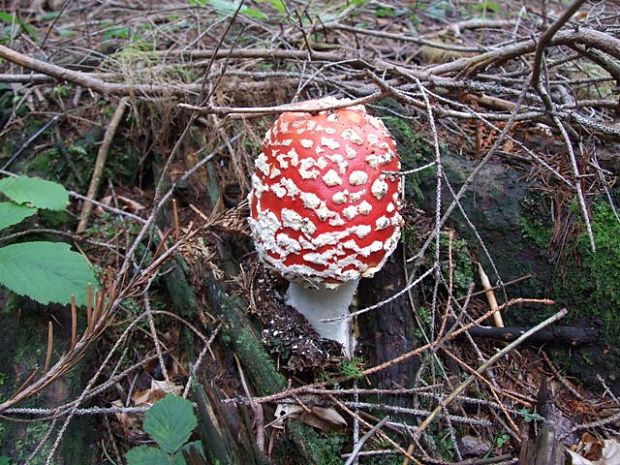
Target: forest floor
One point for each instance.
(492, 335)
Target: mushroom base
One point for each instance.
(320, 304)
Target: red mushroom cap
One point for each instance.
(323, 210)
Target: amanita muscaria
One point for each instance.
(325, 209)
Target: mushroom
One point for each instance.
(325, 207)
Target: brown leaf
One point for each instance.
(326, 419)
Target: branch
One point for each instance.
(102, 156)
(546, 38)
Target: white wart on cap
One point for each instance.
(323, 211)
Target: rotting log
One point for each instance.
(310, 447)
(222, 444)
(388, 332)
(545, 448)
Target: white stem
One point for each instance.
(320, 304)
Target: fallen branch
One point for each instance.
(546, 37)
(102, 156)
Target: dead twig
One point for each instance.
(102, 156)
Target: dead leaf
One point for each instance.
(128, 422)
(326, 419)
(610, 453)
(125, 203)
(158, 390)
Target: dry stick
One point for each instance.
(545, 39)
(575, 169)
(257, 409)
(50, 344)
(50, 429)
(590, 426)
(30, 140)
(310, 106)
(383, 302)
(102, 156)
(566, 383)
(461, 387)
(55, 71)
(488, 290)
(405, 38)
(156, 341)
(195, 366)
(73, 323)
(89, 304)
(358, 446)
(492, 389)
(91, 200)
(588, 37)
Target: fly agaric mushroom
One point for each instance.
(325, 209)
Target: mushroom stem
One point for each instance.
(321, 304)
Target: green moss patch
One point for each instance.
(591, 285)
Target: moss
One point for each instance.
(591, 283)
(536, 231)
(535, 223)
(32, 436)
(415, 150)
(42, 162)
(123, 162)
(462, 271)
(352, 368)
(324, 448)
(393, 459)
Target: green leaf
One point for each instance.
(45, 271)
(170, 422)
(224, 7)
(253, 12)
(278, 5)
(178, 459)
(4, 460)
(116, 33)
(529, 417)
(12, 19)
(36, 192)
(144, 455)
(227, 8)
(11, 213)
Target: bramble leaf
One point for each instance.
(144, 455)
(45, 271)
(11, 213)
(170, 422)
(35, 192)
